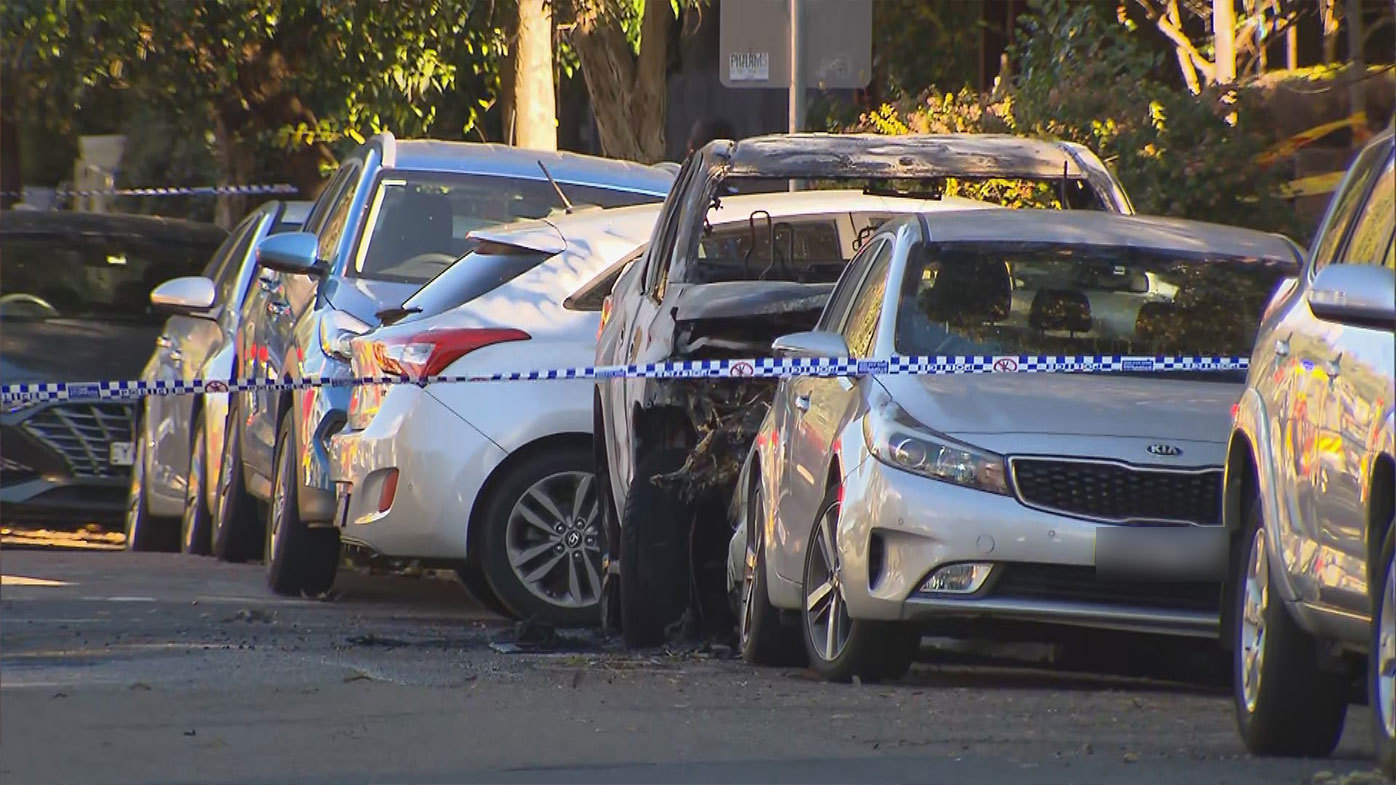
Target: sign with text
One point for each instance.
(754, 43)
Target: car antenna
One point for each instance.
(567, 205)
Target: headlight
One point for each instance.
(897, 440)
(337, 329)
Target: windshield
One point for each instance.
(417, 223)
(1065, 300)
(91, 277)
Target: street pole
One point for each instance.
(797, 75)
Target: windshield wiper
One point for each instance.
(566, 203)
(393, 314)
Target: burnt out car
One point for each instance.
(669, 451)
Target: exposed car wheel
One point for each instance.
(1286, 704)
(542, 539)
(841, 647)
(196, 526)
(145, 532)
(763, 639)
(237, 531)
(300, 559)
(654, 571)
(1381, 674)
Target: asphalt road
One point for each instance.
(118, 667)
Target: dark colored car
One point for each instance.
(75, 306)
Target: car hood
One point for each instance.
(363, 297)
(74, 350)
(749, 298)
(1002, 413)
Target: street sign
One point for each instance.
(754, 43)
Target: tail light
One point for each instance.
(414, 357)
(605, 315)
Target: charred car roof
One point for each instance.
(915, 156)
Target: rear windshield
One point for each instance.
(1066, 300)
(418, 222)
(486, 268)
(91, 278)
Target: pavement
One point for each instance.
(120, 667)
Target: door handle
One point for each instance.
(1281, 347)
(802, 402)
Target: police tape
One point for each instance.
(175, 190)
(756, 368)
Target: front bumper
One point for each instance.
(896, 528)
(56, 460)
(441, 463)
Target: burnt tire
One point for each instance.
(301, 560)
(196, 525)
(762, 638)
(1286, 703)
(541, 543)
(1381, 658)
(238, 531)
(145, 532)
(654, 529)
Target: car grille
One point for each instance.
(82, 433)
(1080, 584)
(1119, 493)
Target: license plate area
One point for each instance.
(121, 453)
(1161, 553)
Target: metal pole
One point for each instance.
(797, 75)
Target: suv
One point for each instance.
(394, 215)
(1310, 483)
(671, 450)
(75, 306)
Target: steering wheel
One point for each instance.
(27, 300)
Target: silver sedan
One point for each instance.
(875, 506)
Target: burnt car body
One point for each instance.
(670, 451)
(75, 306)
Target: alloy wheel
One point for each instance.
(1386, 654)
(193, 492)
(1253, 633)
(225, 475)
(553, 540)
(281, 488)
(749, 571)
(826, 614)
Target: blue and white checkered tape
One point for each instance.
(761, 368)
(176, 190)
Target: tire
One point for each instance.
(238, 532)
(762, 638)
(300, 560)
(869, 650)
(542, 539)
(196, 525)
(145, 532)
(472, 577)
(654, 571)
(1286, 704)
(1381, 667)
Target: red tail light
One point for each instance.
(605, 315)
(428, 353)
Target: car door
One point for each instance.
(1305, 456)
(812, 408)
(1358, 362)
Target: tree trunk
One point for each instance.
(1357, 69)
(629, 95)
(535, 100)
(1331, 17)
(1224, 35)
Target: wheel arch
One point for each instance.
(1381, 508)
(544, 444)
(1239, 492)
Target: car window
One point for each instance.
(329, 197)
(848, 283)
(666, 229)
(592, 295)
(1371, 232)
(419, 222)
(861, 326)
(337, 219)
(488, 267)
(226, 284)
(1344, 208)
(797, 248)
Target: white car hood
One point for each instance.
(1004, 413)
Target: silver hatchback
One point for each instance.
(877, 505)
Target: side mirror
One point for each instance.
(811, 344)
(1361, 294)
(291, 252)
(191, 296)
